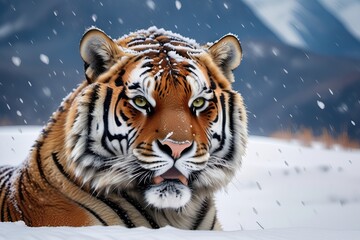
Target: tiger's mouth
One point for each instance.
(171, 174)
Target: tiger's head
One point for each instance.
(157, 116)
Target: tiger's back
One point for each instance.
(146, 140)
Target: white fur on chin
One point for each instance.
(168, 195)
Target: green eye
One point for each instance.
(140, 101)
(199, 102)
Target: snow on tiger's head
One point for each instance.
(158, 116)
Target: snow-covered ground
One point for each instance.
(283, 191)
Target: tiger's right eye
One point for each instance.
(199, 102)
(140, 101)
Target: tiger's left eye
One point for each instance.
(199, 102)
(140, 101)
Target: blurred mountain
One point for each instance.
(301, 65)
(328, 27)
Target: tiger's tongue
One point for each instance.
(172, 173)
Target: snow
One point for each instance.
(46, 91)
(284, 190)
(16, 61)
(178, 4)
(44, 59)
(94, 17)
(20, 231)
(320, 104)
(151, 4)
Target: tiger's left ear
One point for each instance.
(227, 54)
(99, 53)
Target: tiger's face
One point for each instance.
(158, 117)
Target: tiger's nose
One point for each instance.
(174, 148)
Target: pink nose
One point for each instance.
(176, 147)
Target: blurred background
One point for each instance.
(300, 70)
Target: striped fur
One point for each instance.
(146, 140)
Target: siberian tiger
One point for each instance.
(146, 140)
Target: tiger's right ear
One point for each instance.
(99, 53)
(227, 54)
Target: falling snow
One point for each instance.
(320, 104)
(94, 17)
(353, 123)
(178, 4)
(44, 58)
(18, 113)
(343, 108)
(16, 61)
(151, 4)
(46, 91)
(275, 51)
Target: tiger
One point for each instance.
(146, 139)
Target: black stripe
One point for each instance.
(93, 99)
(230, 154)
(66, 175)
(59, 166)
(141, 210)
(123, 215)
(144, 72)
(117, 121)
(38, 162)
(9, 214)
(223, 137)
(149, 155)
(98, 63)
(231, 110)
(147, 64)
(2, 218)
(123, 116)
(213, 222)
(22, 189)
(5, 188)
(117, 209)
(4, 170)
(93, 213)
(201, 214)
(106, 107)
(135, 85)
(118, 81)
(132, 139)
